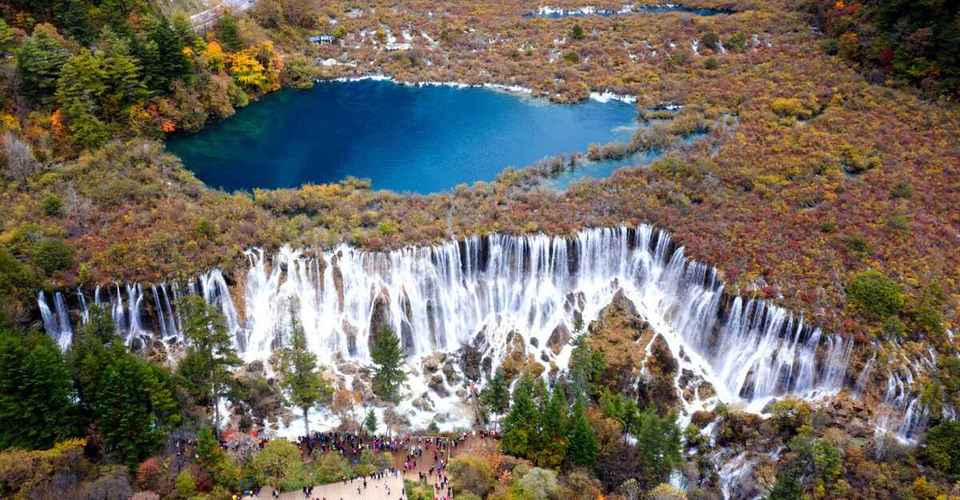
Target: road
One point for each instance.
(204, 20)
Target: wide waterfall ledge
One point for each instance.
(475, 298)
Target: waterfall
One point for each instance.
(438, 298)
(56, 321)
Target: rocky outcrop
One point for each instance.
(622, 336)
(559, 337)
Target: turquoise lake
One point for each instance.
(404, 138)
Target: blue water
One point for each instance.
(419, 139)
(635, 9)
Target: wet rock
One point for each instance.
(450, 372)
(380, 317)
(431, 363)
(516, 358)
(423, 403)
(534, 342)
(406, 329)
(437, 385)
(559, 338)
(471, 356)
(351, 332)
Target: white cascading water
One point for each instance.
(439, 298)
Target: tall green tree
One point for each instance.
(520, 425)
(90, 353)
(586, 366)
(495, 397)
(658, 446)
(134, 408)
(80, 88)
(300, 377)
(582, 445)
(388, 357)
(7, 38)
(210, 354)
(39, 62)
(122, 75)
(161, 54)
(370, 422)
(36, 395)
(553, 430)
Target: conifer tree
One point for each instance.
(495, 397)
(553, 433)
(388, 357)
(583, 447)
(519, 427)
(36, 397)
(210, 353)
(370, 422)
(39, 62)
(301, 379)
(134, 408)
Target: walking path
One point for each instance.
(377, 489)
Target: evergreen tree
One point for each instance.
(496, 395)
(370, 422)
(210, 353)
(303, 382)
(72, 17)
(162, 57)
(228, 32)
(553, 433)
(36, 397)
(582, 446)
(388, 356)
(124, 86)
(788, 485)
(89, 355)
(658, 446)
(586, 366)
(80, 88)
(6, 38)
(39, 61)
(134, 408)
(519, 427)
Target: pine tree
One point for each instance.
(162, 57)
(553, 435)
(583, 447)
(134, 408)
(36, 397)
(658, 445)
(301, 379)
(370, 422)
(6, 38)
(496, 395)
(229, 33)
(519, 427)
(89, 355)
(388, 357)
(39, 62)
(210, 353)
(124, 86)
